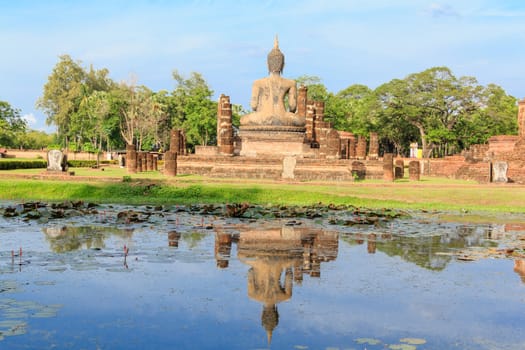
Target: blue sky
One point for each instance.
(343, 42)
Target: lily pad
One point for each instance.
(369, 341)
(402, 347)
(413, 341)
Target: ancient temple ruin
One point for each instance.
(285, 136)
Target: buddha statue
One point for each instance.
(268, 97)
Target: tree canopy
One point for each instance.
(443, 113)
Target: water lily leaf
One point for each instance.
(402, 347)
(413, 341)
(369, 341)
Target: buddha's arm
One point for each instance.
(255, 97)
(292, 98)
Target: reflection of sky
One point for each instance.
(177, 298)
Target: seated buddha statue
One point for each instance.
(268, 97)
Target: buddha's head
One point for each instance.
(275, 58)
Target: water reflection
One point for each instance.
(69, 238)
(277, 257)
(426, 250)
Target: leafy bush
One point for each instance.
(81, 163)
(22, 164)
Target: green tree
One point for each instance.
(33, 139)
(194, 110)
(67, 87)
(317, 91)
(434, 101)
(12, 126)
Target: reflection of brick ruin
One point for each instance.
(278, 258)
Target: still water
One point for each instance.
(183, 280)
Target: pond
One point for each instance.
(117, 277)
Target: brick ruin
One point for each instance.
(501, 159)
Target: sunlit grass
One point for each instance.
(107, 186)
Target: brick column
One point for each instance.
(388, 167)
(414, 170)
(399, 169)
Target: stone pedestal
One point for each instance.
(273, 141)
(388, 167)
(414, 170)
(499, 172)
(399, 169)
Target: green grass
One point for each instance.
(155, 188)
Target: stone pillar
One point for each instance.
(131, 159)
(140, 162)
(310, 122)
(414, 170)
(170, 163)
(388, 167)
(224, 126)
(345, 148)
(149, 161)
(521, 118)
(182, 142)
(319, 110)
(399, 169)
(361, 147)
(352, 149)
(302, 97)
(333, 144)
(373, 150)
(174, 140)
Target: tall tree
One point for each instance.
(194, 109)
(434, 101)
(67, 87)
(62, 95)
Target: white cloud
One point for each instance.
(30, 119)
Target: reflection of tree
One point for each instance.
(423, 250)
(68, 238)
(192, 238)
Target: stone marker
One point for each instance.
(499, 172)
(56, 161)
(388, 167)
(414, 170)
(289, 167)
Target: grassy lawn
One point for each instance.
(107, 186)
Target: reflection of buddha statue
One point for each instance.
(264, 285)
(268, 97)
